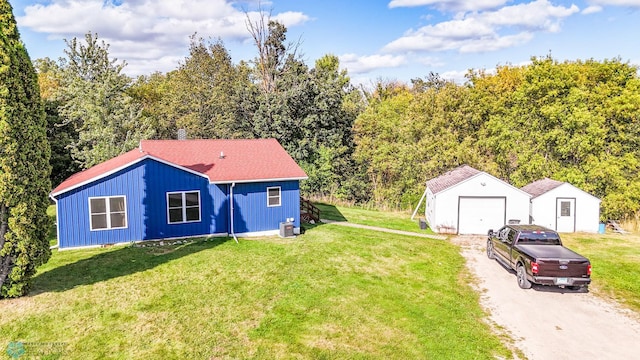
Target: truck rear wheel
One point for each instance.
(521, 275)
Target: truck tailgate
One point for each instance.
(557, 261)
(563, 268)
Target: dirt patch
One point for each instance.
(549, 322)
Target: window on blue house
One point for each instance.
(273, 196)
(183, 207)
(108, 212)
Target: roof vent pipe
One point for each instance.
(182, 134)
(222, 156)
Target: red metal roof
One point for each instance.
(222, 161)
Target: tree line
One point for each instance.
(96, 112)
(574, 121)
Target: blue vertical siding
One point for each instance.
(73, 209)
(251, 213)
(144, 185)
(162, 179)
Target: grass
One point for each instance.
(631, 224)
(51, 213)
(392, 220)
(615, 259)
(333, 292)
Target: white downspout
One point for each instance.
(231, 212)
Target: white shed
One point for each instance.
(468, 201)
(563, 207)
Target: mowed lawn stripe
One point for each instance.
(616, 264)
(333, 292)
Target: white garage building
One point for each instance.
(563, 207)
(468, 201)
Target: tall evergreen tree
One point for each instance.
(24, 163)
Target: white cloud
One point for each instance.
(485, 31)
(494, 44)
(151, 65)
(628, 3)
(458, 76)
(291, 18)
(362, 64)
(431, 61)
(536, 15)
(591, 10)
(478, 5)
(141, 31)
(450, 5)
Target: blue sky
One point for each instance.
(374, 39)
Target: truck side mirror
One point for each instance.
(490, 232)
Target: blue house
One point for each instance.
(168, 189)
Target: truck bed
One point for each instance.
(556, 260)
(550, 252)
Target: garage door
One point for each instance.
(476, 215)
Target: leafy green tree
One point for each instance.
(94, 101)
(379, 141)
(207, 95)
(24, 164)
(283, 99)
(60, 136)
(409, 135)
(203, 92)
(491, 96)
(275, 54)
(331, 118)
(310, 111)
(327, 132)
(151, 93)
(574, 121)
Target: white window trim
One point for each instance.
(108, 213)
(279, 196)
(184, 207)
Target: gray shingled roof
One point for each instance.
(451, 178)
(540, 187)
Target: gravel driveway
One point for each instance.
(551, 323)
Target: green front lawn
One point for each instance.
(391, 220)
(332, 293)
(615, 259)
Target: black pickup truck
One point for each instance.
(537, 256)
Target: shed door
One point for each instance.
(476, 215)
(565, 214)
